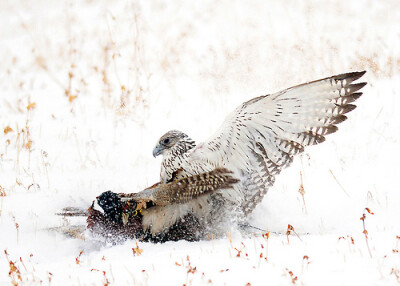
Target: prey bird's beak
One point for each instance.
(157, 151)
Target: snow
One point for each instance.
(108, 78)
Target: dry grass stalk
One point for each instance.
(396, 273)
(396, 248)
(190, 268)
(292, 276)
(266, 237)
(305, 262)
(365, 232)
(2, 192)
(77, 259)
(8, 129)
(289, 230)
(340, 185)
(106, 281)
(14, 273)
(136, 250)
(302, 192)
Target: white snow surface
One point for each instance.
(88, 87)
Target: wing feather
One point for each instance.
(260, 137)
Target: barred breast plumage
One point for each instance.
(256, 141)
(207, 188)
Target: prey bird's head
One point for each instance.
(173, 140)
(114, 219)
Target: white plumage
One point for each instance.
(255, 142)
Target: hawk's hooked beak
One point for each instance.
(157, 150)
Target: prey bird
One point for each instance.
(254, 143)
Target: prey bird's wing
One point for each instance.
(185, 189)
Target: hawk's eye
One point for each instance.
(166, 141)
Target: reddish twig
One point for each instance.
(365, 232)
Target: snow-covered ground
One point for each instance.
(87, 88)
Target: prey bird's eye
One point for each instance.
(166, 141)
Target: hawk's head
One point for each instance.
(173, 141)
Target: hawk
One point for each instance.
(254, 143)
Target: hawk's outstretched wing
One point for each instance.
(262, 135)
(204, 189)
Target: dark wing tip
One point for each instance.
(355, 87)
(347, 108)
(331, 129)
(356, 95)
(338, 119)
(351, 76)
